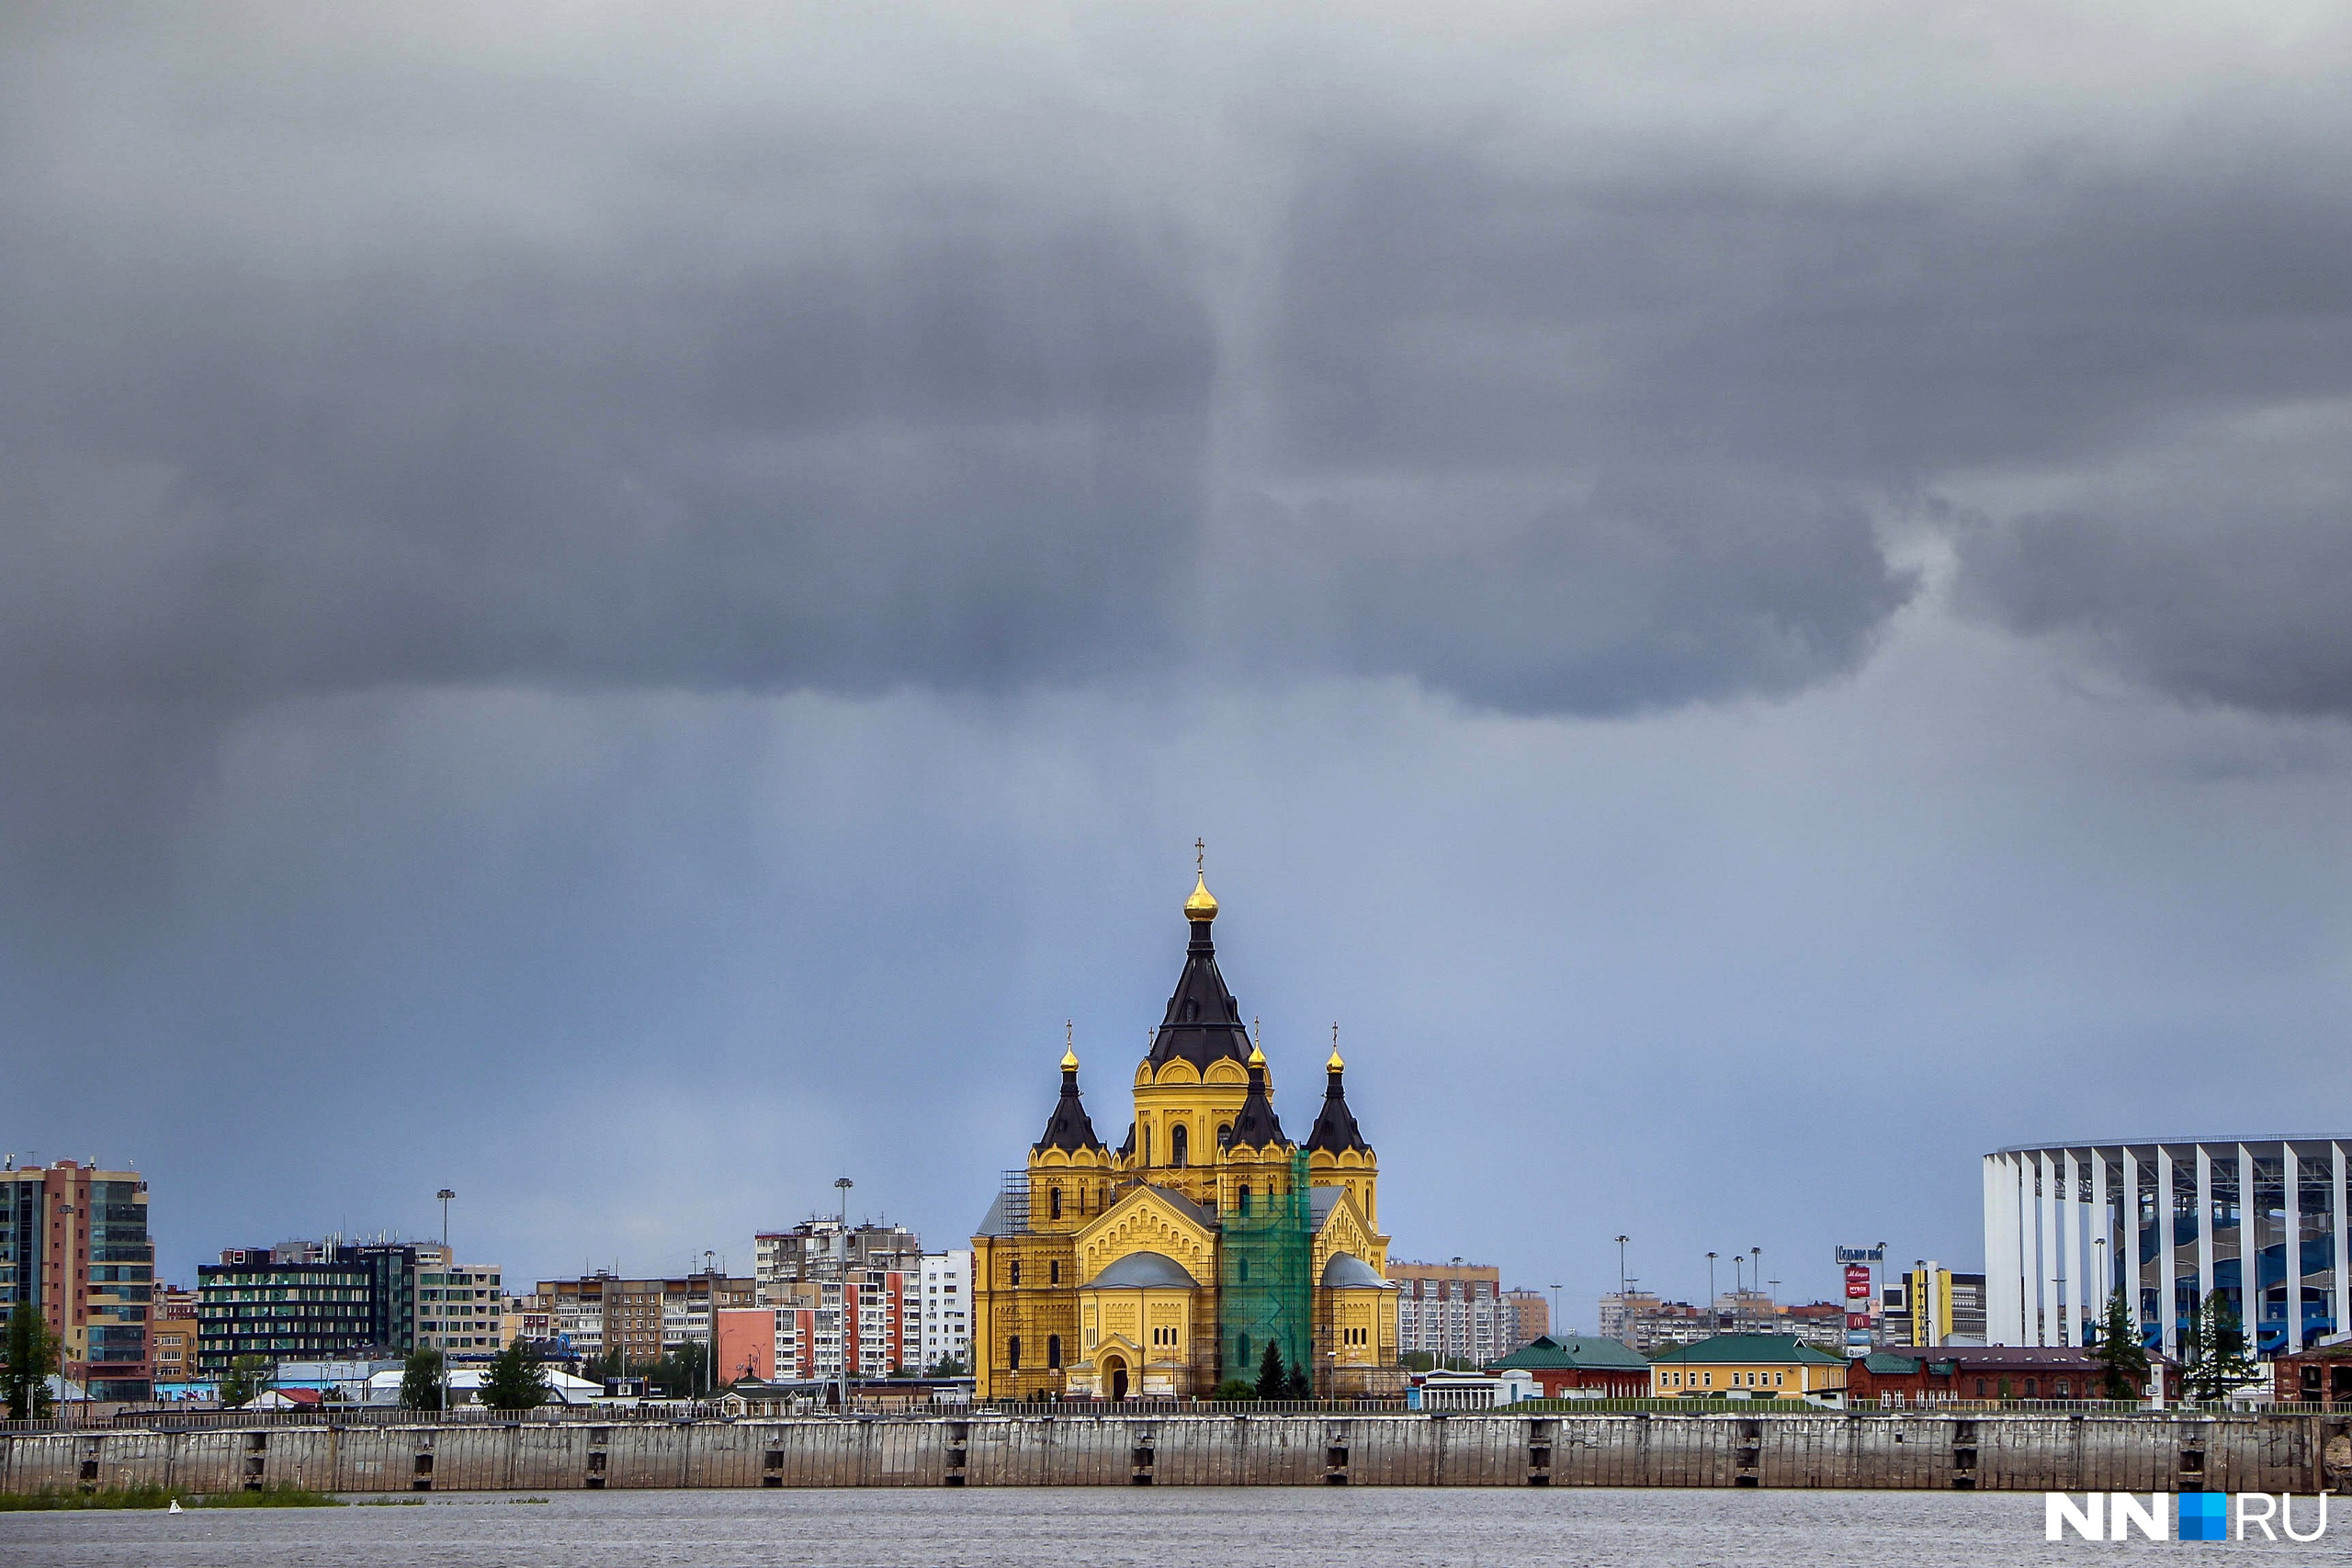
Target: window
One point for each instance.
(1178, 1139)
(1054, 1351)
(1225, 1132)
(1054, 1202)
(1245, 1197)
(1012, 1353)
(1053, 1273)
(2032, 1388)
(1147, 1145)
(2064, 1388)
(1980, 1388)
(1015, 1271)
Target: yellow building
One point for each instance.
(1169, 1265)
(1749, 1366)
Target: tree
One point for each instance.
(1236, 1388)
(1273, 1381)
(421, 1382)
(2122, 1359)
(1302, 1384)
(950, 1366)
(2213, 1352)
(247, 1377)
(32, 1357)
(516, 1381)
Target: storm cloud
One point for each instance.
(340, 354)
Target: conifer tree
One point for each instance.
(247, 1377)
(2123, 1361)
(516, 1381)
(1272, 1383)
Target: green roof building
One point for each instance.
(1572, 1365)
(1750, 1366)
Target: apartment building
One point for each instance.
(641, 1320)
(939, 1318)
(1531, 1318)
(320, 1299)
(459, 1309)
(74, 1242)
(1451, 1311)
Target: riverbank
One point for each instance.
(2142, 1452)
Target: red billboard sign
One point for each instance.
(1858, 1282)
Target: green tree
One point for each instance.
(247, 1377)
(1273, 1381)
(421, 1380)
(32, 1357)
(516, 1381)
(1302, 1384)
(2122, 1359)
(950, 1366)
(682, 1371)
(1236, 1388)
(2213, 1352)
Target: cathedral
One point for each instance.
(1167, 1265)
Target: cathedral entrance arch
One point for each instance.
(1114, 1377)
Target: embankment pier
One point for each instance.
(2136, 1452)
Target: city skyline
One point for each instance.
(623, 614)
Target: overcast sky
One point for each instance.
(623, 609)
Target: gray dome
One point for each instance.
(1346, 1271)
(1142, 1269)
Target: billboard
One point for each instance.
(1857, 1281)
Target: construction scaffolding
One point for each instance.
(1265, 1288)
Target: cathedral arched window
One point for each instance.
(1054, 1352)
(1054, 1276)
(1053, 1202)
(1245, 1197)
(1015, 1271)
(1012, 1353)
(1147, 1145)
(1224, 1134)
(1176, 1140)
(1241, 1350)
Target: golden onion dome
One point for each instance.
(1069, 1061)
(1202, 905)
(1334, 1064)
(1257, 1057)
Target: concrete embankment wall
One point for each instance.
(2135, 1453)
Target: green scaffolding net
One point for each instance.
(1265, 1291)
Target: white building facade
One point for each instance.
(2167, 1223)
(940, 1319)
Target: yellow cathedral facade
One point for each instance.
(1168, 1266)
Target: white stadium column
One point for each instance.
(2290, 1165)
(2167, 1252)
(2129, 1230)
(2046, 1171)
(2249, 1248)
(2204, 1223)
(2070, 1245)
(2000, 1252)
(2344, 1242)
(2102, 1280)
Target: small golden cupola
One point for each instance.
(1202, 905)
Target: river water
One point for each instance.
(1089, 1528)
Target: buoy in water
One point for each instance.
(175, 1506)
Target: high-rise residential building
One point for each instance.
(1531, 1318)
(74, 1242)
(458, 1310)
(941, 1317)
(1648, 1323)
(641, 1320)
(827, 1249)
(1451, 1311)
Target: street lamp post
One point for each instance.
(710, 1293)
(445, 1195)
(841, 1184)
(1620, 1272)
(1555, 1312)
(1715, 1318)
